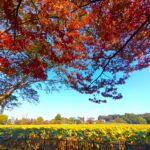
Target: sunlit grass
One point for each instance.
(79, 126)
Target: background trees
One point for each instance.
(134, 119)
(40, 119)
(90, 46)
(127, 118)
(3, 119)
(147, 117)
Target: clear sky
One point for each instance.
(70, 103)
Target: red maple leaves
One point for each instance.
(87, 40)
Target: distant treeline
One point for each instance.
(128, 118)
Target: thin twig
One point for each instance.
(85, 5)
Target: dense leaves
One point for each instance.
(81, 135)
(90, 45)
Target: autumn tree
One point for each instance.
(90, 45)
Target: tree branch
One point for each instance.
(13, 88)
(15, 20)
(91, 1)
(115, 54)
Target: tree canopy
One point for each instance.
(89, 45)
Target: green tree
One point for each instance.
(147, 117)
(118, 120)
(71, 120)
(134, 119)
(141, 120)
(40, 120)
(3, 119)
(79, 120)
(58, 117)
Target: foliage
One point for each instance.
(40, 120)
(3, 119)
(132, 118)
(9, 103)
(126, 118)
(91, 46)
(34, 135)
(147, 117)
(59, 119)
(118, 120)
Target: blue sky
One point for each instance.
(70, 103)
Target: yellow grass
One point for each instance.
(79, 126)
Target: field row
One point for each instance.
(99, 133)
